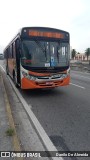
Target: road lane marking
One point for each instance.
(77, 85)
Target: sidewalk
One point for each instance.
(5, 140)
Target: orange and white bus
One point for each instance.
(38, 57)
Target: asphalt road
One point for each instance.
(64, 113)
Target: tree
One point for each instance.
(87, 52)
(73, 53)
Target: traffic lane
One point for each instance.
(81, 79)
(84, 77)
(80, 73)
(64, 114)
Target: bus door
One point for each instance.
(17, 44)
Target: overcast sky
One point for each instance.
(69, 15)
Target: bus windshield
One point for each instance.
(37, 53)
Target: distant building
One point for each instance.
(81, 57)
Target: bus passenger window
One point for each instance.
(63, 51)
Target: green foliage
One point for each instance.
(87, 52)
(73, 53)
(10, 132)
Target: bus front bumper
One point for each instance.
(30, 84)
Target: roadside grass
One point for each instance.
(10, 132)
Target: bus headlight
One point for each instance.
(64, 75)
(28, 76)
(31, 77)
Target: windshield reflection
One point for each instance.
(44, 54)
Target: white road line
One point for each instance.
(77, 85)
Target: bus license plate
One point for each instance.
(49, 83)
